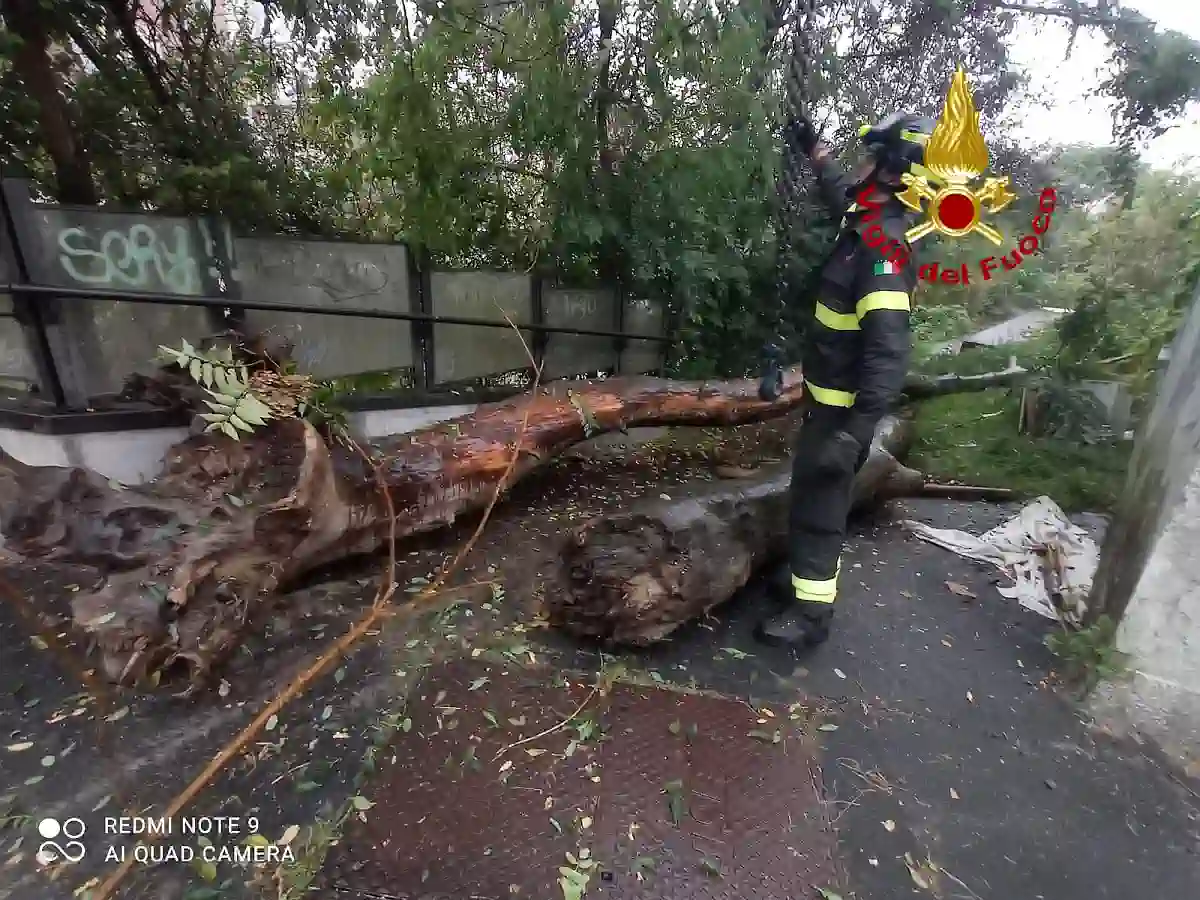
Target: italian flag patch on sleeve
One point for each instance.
(886, 268)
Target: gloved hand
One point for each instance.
(838, 454)
(800, 133)
(770, 384)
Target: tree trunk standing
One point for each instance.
(795, 105)
(607, 13)
(33, 65)
(610, 256)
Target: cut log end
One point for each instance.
(634, 577)
(620, 562)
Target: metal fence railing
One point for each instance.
(91, 294)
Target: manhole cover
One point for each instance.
(668, 792)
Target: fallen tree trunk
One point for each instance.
(922, 387)
(631, 578)
(193, 556)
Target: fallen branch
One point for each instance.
(552, 729)
(922, 387)
(966, 492)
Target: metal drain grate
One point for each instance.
(448, 823)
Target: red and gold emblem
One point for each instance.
(950, 188)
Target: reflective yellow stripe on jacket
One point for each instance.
(829, 396)
(881, 300)
(851, 321)
(836, 321)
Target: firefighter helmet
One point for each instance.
(898, 142)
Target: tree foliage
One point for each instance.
(635, 141)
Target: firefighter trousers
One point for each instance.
(818, 506)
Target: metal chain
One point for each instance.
(788, 188)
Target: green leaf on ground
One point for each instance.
(676, 804)
(767, 737)
(643, 865)
(573, 883)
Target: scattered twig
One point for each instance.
(847, 805)
(966, 492)
(290, 771)
(959, 882)
(553, 728)
(874, 778)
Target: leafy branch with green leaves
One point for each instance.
(235, 411)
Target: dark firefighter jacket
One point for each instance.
(858, 344)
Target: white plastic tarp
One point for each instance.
(1019, 548)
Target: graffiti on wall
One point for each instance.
(146, 255)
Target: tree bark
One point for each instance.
(32, 63)
(632, 578)
(607, 12)
(922, 387)
(192, 557)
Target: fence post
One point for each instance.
(420, 299)
(540, 338)
(27, 314)
(672, 324)
(222, 277)
(620, 343)
(61, 334)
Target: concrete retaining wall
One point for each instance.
(132, 457)
(1149, 574)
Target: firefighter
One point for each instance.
(854, 361)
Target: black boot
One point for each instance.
(798, 625)
(779, 587)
